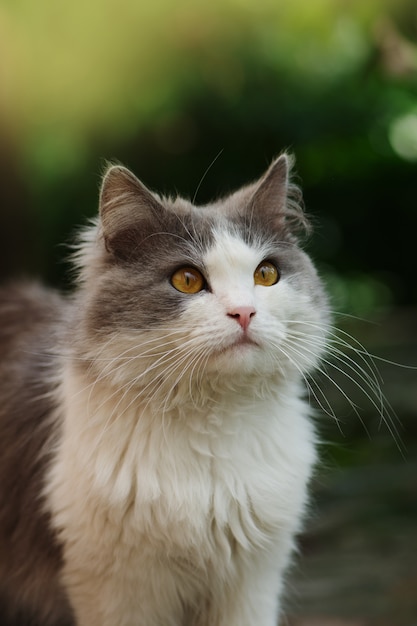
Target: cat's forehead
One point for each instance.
(222, 225)
(230, 251)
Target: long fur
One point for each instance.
(177, 445)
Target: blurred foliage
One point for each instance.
(188, 92)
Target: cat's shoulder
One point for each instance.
(29, 302)
(24, 308)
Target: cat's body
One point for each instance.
(158, 446)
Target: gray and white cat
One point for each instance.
(156, 443)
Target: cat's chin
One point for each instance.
(242, 355)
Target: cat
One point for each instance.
(157, 444)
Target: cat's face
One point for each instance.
(178, 292)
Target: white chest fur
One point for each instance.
(131, 488)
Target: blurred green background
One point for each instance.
(201, 96)
(164, 86)
(169, 86)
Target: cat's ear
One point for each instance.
(125, 205)
(278, 200)
(272, 189)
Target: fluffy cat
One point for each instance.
(156, 443)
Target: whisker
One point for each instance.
(365, 377)
(309, 385)
(170, 361)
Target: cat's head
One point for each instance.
(176, 292)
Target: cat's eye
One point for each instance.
(266, 274)
(188, 280)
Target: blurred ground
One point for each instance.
(358, 561)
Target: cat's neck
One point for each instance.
(208, 400)
(175, 399)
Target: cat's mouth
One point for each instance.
(242, 343)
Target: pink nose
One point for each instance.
(243, 315)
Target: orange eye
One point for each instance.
(266, 274)
(188, 280)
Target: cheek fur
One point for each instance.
(122, 301)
